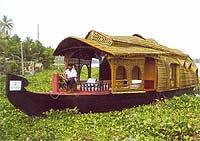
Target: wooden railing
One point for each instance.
(103, 85)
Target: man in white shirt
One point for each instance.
(71, 75)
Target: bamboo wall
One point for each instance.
(185, 74)
(187, 77)
(162, 76)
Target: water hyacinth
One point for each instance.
(174, 119)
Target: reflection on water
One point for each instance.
(198, 66)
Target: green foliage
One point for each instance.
(47, 57)
(174, 119)
(41, 82)
(84, 73)
(10, 50)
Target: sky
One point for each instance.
(173, 23)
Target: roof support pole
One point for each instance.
(113, 75)
(89, 70)
(129, 74)
(79, 69)
(66, 61)
(22, 59)
(67, 56)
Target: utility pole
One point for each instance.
(22, 59)
(38, 32)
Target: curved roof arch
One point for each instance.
(115, 45)
(73, 43)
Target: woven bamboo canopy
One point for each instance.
(118, 46)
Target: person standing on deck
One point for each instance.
(71, 76)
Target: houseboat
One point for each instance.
(133, 70)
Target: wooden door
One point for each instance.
(149, 73)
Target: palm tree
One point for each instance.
(6, 25)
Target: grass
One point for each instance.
(175, 119)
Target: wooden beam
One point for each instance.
(89, 70)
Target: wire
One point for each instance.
(54, 97)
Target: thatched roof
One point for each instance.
(116, 45)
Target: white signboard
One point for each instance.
(15, 85)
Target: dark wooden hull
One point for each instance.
(34, 104)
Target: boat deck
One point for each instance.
(104, 92)
(78, 92)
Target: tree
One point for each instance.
(6, 26)
(48, 58)
(2, 55)
(2, 51)
(2, 48)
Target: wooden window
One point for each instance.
(121, 73)
(136, 73)
(197, 76)
(174, 76)
(190, 66)
(184, 65)
(173, 72)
